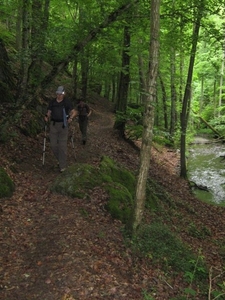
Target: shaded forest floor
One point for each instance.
(54, 247)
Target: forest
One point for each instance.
(155, 69)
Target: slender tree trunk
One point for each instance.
(148, 122)
(164, 97)
(84, 73)
(37, 42)
(222, 76)
(75, 78)
(143, 84)
(19, 25)
(113, 89)
(107, 90)
(23, 80)
(187, 94)
(7, 79)
(214, 97)
(124, 82)
(202, 95)
(173, 114)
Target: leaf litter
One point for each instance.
(61, 248)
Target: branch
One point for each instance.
(80, 45)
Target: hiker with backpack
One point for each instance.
(60, 113)
(84, 112)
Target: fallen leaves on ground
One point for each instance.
(54, 247)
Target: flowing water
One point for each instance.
(206, 168)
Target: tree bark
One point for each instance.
(75, 78)
(173, 112)
(221, 87)
(124, 82)
(148, 116)
(187, 94)
(142, 77)
(23, 80)
(7, 78)
(84, 73)
(37, 43)
(164, 97)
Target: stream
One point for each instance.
(206, 168)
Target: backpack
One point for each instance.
(83, 110)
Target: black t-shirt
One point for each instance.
(56, 109)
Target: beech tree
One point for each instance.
(186, 104)
(148, 121)
(124, 81)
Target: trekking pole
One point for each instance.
(72, 143)
(44, 146)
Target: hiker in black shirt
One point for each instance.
(60, 113)
(83, 113)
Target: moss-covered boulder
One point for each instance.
(7, 186)
(119, 183)
(120, 203)
(118, 174)
(77, 180)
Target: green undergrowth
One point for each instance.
(78, 180)
(163, 249)
(156, 242)
(6, 184)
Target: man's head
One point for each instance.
(60, 90)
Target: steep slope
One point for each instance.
(55, 247)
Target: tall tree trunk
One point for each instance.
(164, 97)
(84, 73)
(143, 87)
(107, 90)
(173, 113)
(214, 97)
(124, 82)
(7, 78)
(40, 16)
(202, 95)
(19, 25)
(187, 94)
(148, 116)
(114, 89)
(75, 78)
(25, 61)
(222, 75)
(37, 42)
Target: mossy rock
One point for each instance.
(77, 180)
(117, 181)
(120, 203)
(7, 186)
(118, 174)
